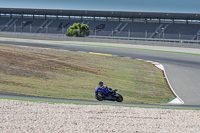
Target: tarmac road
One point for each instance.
(183, 70)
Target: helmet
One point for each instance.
(100, 83)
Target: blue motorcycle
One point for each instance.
(107, 94)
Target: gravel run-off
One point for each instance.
(34, 117)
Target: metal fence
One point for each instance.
(96, 33)
(106, 39)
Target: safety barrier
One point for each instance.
(103, 39)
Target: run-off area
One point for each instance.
(74, 75)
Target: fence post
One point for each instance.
(30, 28)
(163, 35)
(46, 29)
(145, 33)
(129, 33)
(21, 27)
(15, 27)
(62, 30)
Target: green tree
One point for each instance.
(78, 30)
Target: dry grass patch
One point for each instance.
(72, 75)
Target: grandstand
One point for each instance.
(182, 26)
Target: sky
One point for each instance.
(173, 6)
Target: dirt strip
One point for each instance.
(20, 116)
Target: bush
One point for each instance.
(78, 30)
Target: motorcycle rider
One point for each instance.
(103, 86)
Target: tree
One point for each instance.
(78, 30)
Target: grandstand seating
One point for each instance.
(185, 31)
(103, 28)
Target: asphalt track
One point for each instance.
(183, 70)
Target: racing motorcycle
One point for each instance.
(107, 94)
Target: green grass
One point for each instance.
(73, 75)
(129, 48)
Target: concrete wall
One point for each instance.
(184, 43)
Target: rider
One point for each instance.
(103, 86)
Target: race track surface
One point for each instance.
(183, 70)
(48, 99)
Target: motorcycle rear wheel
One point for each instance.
(98, 96)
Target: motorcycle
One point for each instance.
(105, 94)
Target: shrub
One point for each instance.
(78, 30)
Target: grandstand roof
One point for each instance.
(118, 14)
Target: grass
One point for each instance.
(129, 48)
(73, 75)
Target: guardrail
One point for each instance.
(106, 39)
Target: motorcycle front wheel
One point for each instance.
(119, 99)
